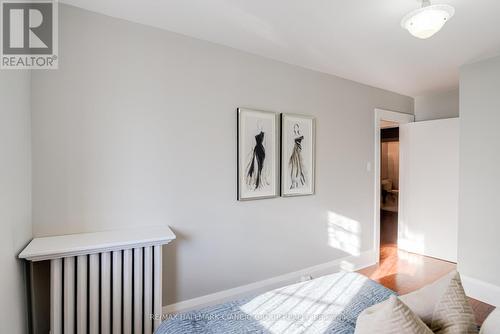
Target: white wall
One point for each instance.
(138, 127)
(437, 106)
(428, 216)
(479, 226)
(15, 196)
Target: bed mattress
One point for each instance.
(329, 304)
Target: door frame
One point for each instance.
(393, 116)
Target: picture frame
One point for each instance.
(258, 154)
(298, 155)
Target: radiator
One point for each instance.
(104, 287)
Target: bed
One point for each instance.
(329, 304)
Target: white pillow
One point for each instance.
(390, 317)
(453, 313)
(423, 301)
(443, 306)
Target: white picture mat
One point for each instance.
(306, 126)
(251, 123)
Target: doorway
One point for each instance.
(386, 178)
(389, 183)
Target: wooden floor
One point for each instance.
(405, 272)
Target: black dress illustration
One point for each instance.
(254, 175)
(296, 164)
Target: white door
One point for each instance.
(428, 207)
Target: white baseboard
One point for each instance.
(350, 263)
(480, 290)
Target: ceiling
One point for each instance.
(359, 40)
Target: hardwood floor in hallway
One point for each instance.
(405, 272)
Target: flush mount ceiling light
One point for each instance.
(428, 20)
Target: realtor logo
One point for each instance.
(29, 34)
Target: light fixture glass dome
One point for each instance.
(428, 20)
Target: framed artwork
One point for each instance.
(258, 154)
(298, 134)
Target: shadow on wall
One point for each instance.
(170, 275)
(254, 25)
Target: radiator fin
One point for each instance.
(116, 292)
(110, 292)
(81, 294)
(69, 303)
(93, 294)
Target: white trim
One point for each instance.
(394, 116)
(350, 263)
(480, 290)
(48, 248)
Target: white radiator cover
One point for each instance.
(106, 282)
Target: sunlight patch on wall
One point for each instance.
(411, 241)
(344, 233)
